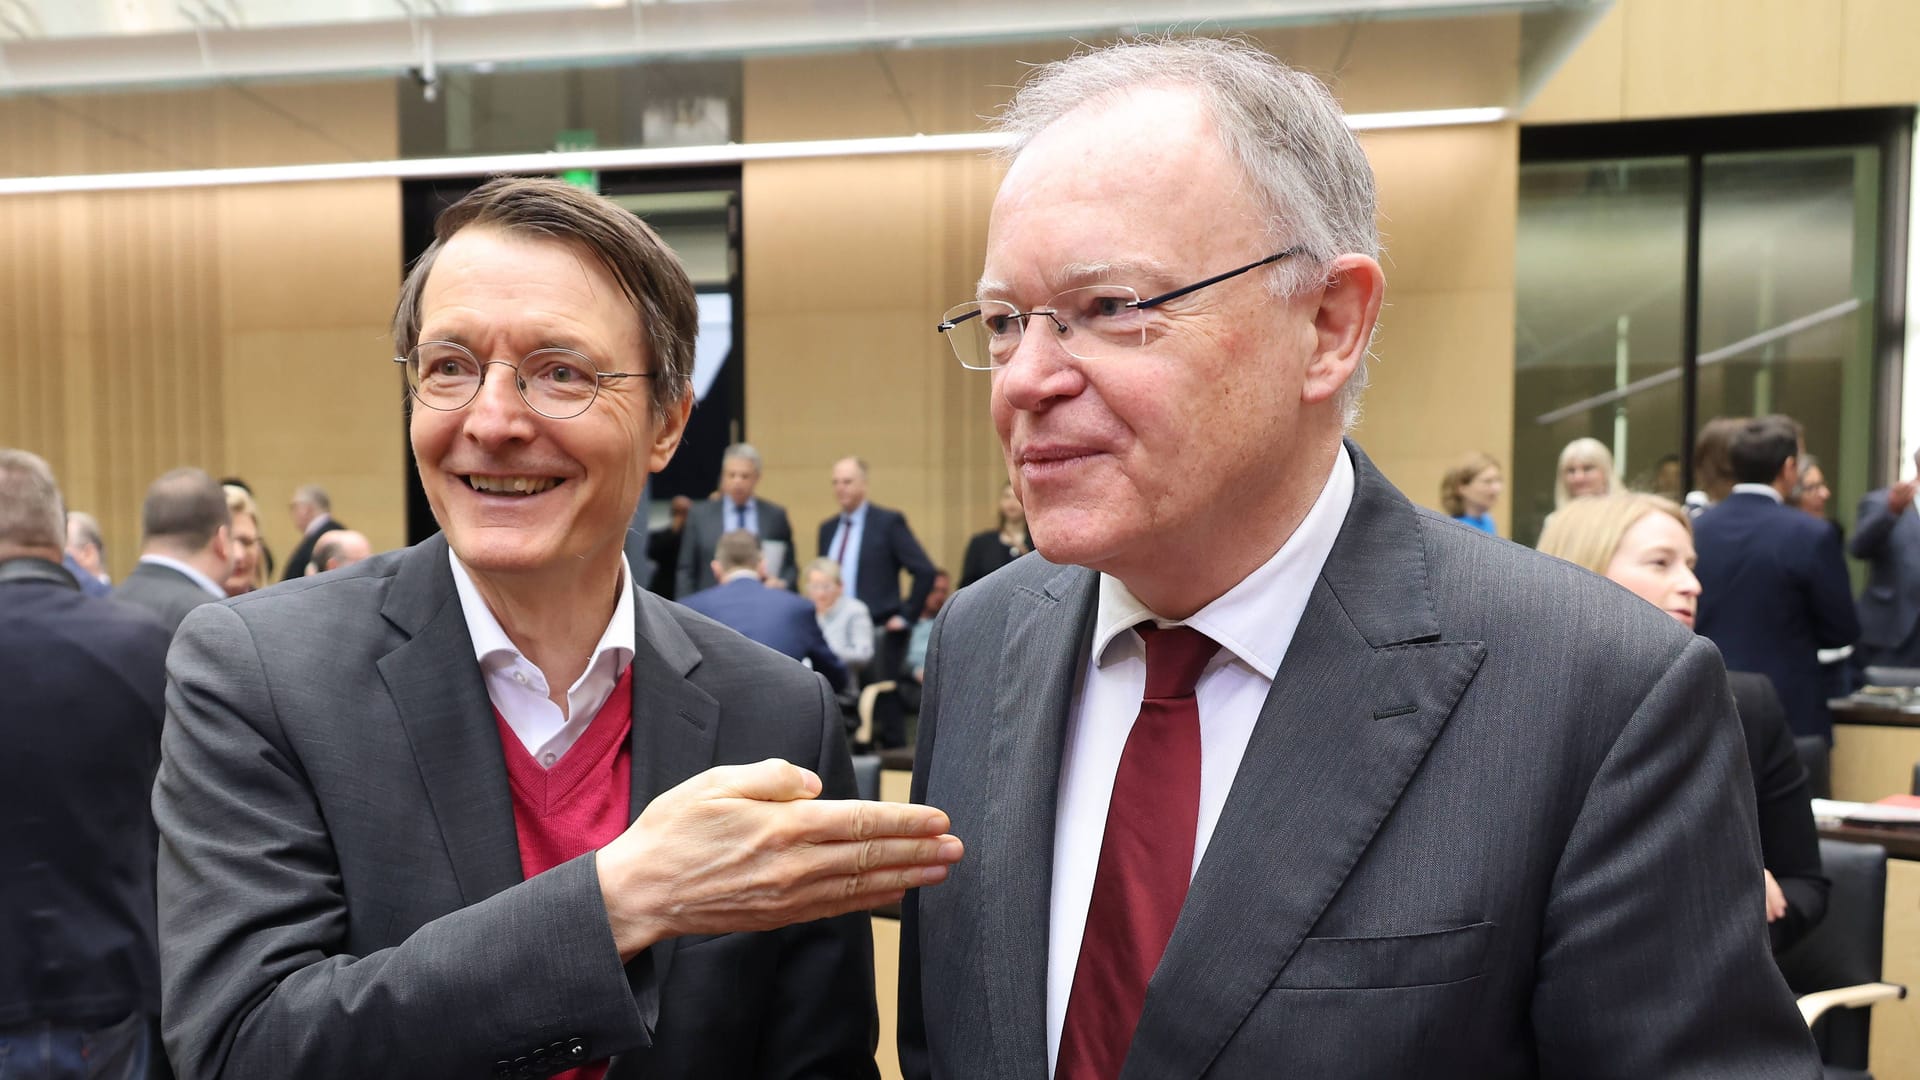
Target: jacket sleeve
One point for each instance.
(1871, 527)
(908, 553)
(1657, 906)
(915, 1060)
(782, 530)
(1835, 620)
(820, 1022)
(1789, 843)
(686, 571)
(253, 919)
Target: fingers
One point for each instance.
(772, 780)
(854, 819)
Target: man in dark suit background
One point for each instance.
(781, 620)
(1774, 588)
(873, 546)
(736, 508)
(86, 554)
(184, 547)
(484, 805)
(312, 513)
(79, 975)
(1459, 811)
(1886, 534)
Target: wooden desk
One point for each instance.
(1894, 1053)
(1874, 750)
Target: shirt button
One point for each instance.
(548, 759)
(520, 677)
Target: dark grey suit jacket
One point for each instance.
(706, 523)
(1890, 543)
(166, 592)
(340, 882)
(1494, 822)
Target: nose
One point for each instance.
(498, 414)
(1040, 371)
(1689, 584)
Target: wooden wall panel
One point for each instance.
(239, 329)
(1877, 45)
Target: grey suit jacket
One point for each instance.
(1494, 822)
(166, 592)
(706, 523)
(1890, 543)
(340, 883)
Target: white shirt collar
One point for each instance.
(193, 574)
(1768, 490)
(316, 525)
(1241, 621)
(492, 647)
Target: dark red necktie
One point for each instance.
(846, 530)
(1146, 860)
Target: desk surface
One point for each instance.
(1850, 711)
(1900, 843)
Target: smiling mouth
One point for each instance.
(512, 485)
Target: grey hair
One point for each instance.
(1281, 126)
(89, 527)
(745, 452)
(31, 514)
(315, 496)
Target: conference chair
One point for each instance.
(1835, 969)
(1818, 760)
(870, 700)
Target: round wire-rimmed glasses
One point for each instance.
(1090, 322)
(559, 384)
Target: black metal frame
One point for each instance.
(1695, 139)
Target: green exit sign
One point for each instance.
(585, 179)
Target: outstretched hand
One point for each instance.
(749, 847)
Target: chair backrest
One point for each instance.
(1844, 950)
(1916, 778)
(866, 775)
(1817, 759)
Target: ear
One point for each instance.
(719, 572)
(666, 438)
(1343, 325)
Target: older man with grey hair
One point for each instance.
(1262, 770)
(86, 554)
(738, 506)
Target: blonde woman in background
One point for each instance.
(1469, 491)
(1585, 468)
(249, 572)
(1645, 543)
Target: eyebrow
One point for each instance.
(1074, 275)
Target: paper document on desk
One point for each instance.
(1835, 812)
(774, 554)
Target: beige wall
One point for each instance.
(1662, 58)
(238, 329)
(849, 263)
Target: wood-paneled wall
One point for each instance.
(850, 262)
(240, 329)
(1659, 58)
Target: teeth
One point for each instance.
(518, 485)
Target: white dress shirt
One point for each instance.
(740, 515)
(1768, 490)
(219, 591)
(519, 689)
(1253, 623)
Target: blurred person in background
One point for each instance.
(86, 554)
(1886, 535)
(186, 551)
(1666, 478)
(1469, 491)
(1585, 468)
(1645, 542)
(992, 549)
(1811, 493)
(341, 547)
(743, 601)
(846, 622)
(736, 506)
(249, 572)
(312, 513)
(1712, 465)
(663, 547)
(79, 972)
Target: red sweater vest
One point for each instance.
(577, 806)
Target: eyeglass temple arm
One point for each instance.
(949, 324)
(1153, 301)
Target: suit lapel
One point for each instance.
(443, 706)
(1046, 634)
(1366, 686)
(675, 723)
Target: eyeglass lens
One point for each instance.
(1088, 322)
(556, 383)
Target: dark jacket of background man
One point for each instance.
(83, 678)
(710, 519)
(775, 618)
(313, 513)
(887, 546)
(1886, 534)
(184, 552)
(1773, 584)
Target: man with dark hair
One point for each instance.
(185, 550)
(777, 618)
(484, 805)
(738, 507)
(1773, 583)
(79, 978)
(312, 513)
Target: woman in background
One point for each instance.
(990, 550)
(248, 572)
(1645, 543)
(1585, 468)
(1713, 463)
(1470, 489)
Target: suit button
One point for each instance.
(577, 1050)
